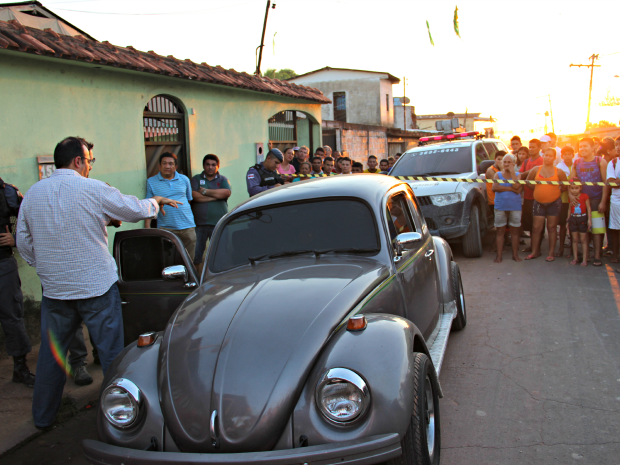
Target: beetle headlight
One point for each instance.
(445, 199)
(121, 403)
(342, 395)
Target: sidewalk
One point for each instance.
(16, 425)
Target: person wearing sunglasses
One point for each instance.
(61, 231)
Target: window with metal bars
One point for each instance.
(340, 106)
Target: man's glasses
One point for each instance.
(91, 161)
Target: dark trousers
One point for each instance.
(60, 319)
(77, 349)
(12, 309)
(203, 234)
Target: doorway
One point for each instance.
(164, 131)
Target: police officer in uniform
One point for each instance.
(11, 297)
(264, 176)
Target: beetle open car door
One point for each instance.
(155, 275)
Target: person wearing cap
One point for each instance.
(547, 142)
(264, 176)
(301, 155)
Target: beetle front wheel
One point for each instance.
(422, 442)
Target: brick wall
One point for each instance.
(358, 144)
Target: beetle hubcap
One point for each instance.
(429, 418)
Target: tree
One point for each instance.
(602, 124)
(284, 73)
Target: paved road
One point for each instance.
(534, 378)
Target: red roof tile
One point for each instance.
(15, 36)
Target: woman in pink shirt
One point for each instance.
(286, 167)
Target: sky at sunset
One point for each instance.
(511, 54)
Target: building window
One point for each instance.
(387, 102)
(164, 131)
(340, 107)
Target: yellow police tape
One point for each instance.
(483, 181)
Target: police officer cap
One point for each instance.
(276, 153)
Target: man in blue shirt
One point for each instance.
(176, 187)
(264, 176)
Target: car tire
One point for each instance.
(460, 321)
(415, 444)
(472, 240)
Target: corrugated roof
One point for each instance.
(15, 36)
(392, 79)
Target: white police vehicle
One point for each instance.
(456, 211)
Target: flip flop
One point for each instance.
(549, 259)
(531, 257)
(574, 262)
(597, 262)
(613, 260)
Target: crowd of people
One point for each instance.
(294, 164)
(587, 212)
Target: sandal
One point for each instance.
(613, 260)
(596, 262)
(574, 262)
(549, 259)
(531, 257)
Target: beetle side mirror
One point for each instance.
(174, 272)
(406, 241)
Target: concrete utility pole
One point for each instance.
(591, 66)
(404, 100)
(551, 113)
(262, 40)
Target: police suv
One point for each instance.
(457, 211)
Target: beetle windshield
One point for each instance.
(435, 162)
(336, 225)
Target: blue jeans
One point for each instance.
(203, 233)
(104, 320)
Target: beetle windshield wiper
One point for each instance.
(346, 250)
(287, 253)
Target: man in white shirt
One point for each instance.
(61, 230)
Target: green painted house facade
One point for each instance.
(46, 97)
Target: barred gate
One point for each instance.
(164, 131)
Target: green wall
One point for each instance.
(46, 99)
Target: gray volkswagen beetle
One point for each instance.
(316, 334)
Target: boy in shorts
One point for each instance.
(579, 222)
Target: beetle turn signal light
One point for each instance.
(147, 339)
(357, 323)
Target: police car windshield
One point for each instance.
(435, 161)
(332, 225)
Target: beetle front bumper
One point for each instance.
(373, 449)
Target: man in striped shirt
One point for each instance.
(172, 185)
(61, 230)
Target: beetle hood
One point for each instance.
(244, 343)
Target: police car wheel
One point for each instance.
(472, 240)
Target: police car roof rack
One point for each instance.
(448, 137)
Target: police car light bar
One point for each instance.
(449, 136)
